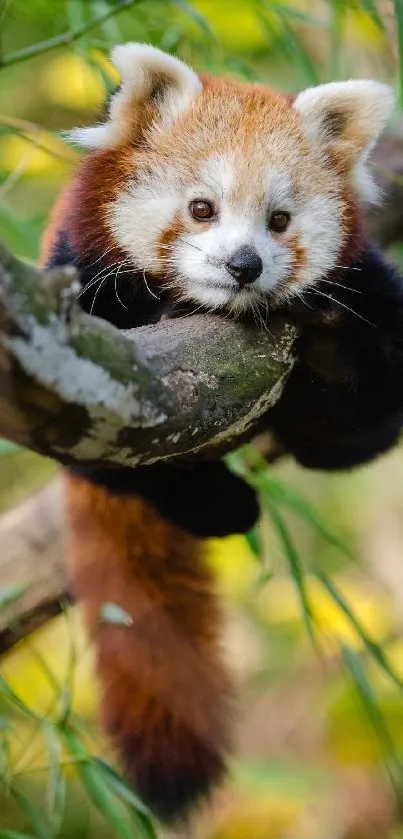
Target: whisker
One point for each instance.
(98, 277)
(100, 280)
(263, 318)
(301, 297)
(116, 290)
(186, 242)
(96, 293)
(193, 312)
(340, 285)
(156, 296)
(334, 300)
(217, 183)
(105, 268)
(89, 286)
(111, 248)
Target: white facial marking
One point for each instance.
(197, 258)
(279, 191)
(201, 257)
(286, 168)
(218, 174)
(142, 213)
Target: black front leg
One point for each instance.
(111, 290)
(205, 499)
(343, 403)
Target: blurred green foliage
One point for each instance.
(314, 590)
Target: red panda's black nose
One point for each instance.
(245, 265)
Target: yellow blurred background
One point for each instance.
(320, 725)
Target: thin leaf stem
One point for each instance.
(66, 37)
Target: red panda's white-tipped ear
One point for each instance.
(148, 76)
(346, 118)
(350, 114)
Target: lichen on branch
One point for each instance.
(76, 389)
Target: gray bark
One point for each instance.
(32, 555)
(76, 389)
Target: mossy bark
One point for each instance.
(76, 389)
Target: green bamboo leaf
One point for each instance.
(64, 38)
(171, 38)
(5, 754)
(112, 613)
(249, 464)
(399, 23)
(14, 834)
(66, 698)
(126, 794)
(14, 699)
(373, 648)
(281, 494)
(372, 11)
(236, 462)
(296, 568)
(56, 788)
(105, 802)
(337, 19)
(110, 27)
(281, 34)
(364, 689)
(236, 65)
(7, 448)
(66, 701)
(44, 666)
(377, 720)
(4, 8)
(296, 51)
(34, 815)
(253, 541)
(100, 792)
(292, 12)
(9, 594)
(196, 16)
(75, 11)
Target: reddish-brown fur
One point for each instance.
(164, 692)
(227, 109)
(169, 236)
(100, 177)
(165, 695)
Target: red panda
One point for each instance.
(202, 193)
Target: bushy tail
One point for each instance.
(165, 695)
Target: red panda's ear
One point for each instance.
(155, 88)
(346, 119)
(346, 116)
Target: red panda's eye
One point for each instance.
(279, 222)
(202, 210)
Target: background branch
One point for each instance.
(32, 553)
(386, 222)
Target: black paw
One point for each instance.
(206, 500)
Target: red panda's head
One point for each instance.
(229, 193)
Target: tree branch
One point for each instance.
(76, 389)
(72, 387)
(32, 553)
